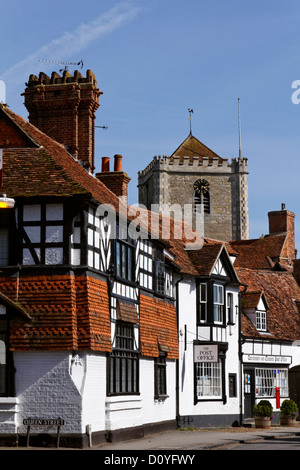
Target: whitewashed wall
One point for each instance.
(188, 316)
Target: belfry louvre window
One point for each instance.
(203, 198)
(124, 362)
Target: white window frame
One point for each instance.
(261, 320)
(218, 301)
(209, 380)
(203, 303)
(229, 307)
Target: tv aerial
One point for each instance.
(66, 64)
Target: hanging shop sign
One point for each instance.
(206, 353)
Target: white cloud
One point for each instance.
(71, 43)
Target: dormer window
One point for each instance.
(261, 320)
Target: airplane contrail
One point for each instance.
(71, 43)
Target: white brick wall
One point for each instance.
(45, 389)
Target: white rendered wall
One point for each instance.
(188, 317)
(157, 410)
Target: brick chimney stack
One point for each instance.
(284, 222)
(117, 181)
(63, 107)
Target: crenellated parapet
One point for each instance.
(66, 77)
(194, 164)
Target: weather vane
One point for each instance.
(191, 111)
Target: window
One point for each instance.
(145, 264)
(229, 307)
(160, 379)
(218, 294)
(198, 199)
(261, 320)
(232, 385)
(203, 302)
(266, 381)
(125, 255)
(4, 246)
(208, 380)
(3, 351)
(42, 234)
(124, 362)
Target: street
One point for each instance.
(281, 443)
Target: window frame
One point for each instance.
(203, 303)
(198, 199)
(123, 268)
(230, 308)
(261, 320)
(218, 304)
(38, 249)
(209, 371)
(266, 382)
(123, 362)
(160, 376)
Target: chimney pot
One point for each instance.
(283, 206)
(105, 164)
(118, 163)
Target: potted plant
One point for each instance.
(288, 413)
(263, 414)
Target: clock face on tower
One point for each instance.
(201, 186)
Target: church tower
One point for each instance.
(195, 175)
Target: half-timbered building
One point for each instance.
(87, 314)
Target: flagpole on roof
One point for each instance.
(239, 117)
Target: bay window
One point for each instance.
(218, 299)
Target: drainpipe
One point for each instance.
(240, 359)
(177, 360)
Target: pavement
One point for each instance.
(186, 440)
(201, 439)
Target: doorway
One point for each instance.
(249, 392)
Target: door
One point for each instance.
(249, 392)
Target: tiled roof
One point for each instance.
(158, 327)
(282, 293)
(46, 168)
(193, 148)
(66, 312)
(259, 253)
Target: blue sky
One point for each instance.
(154, 59)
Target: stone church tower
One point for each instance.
(220, 192)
